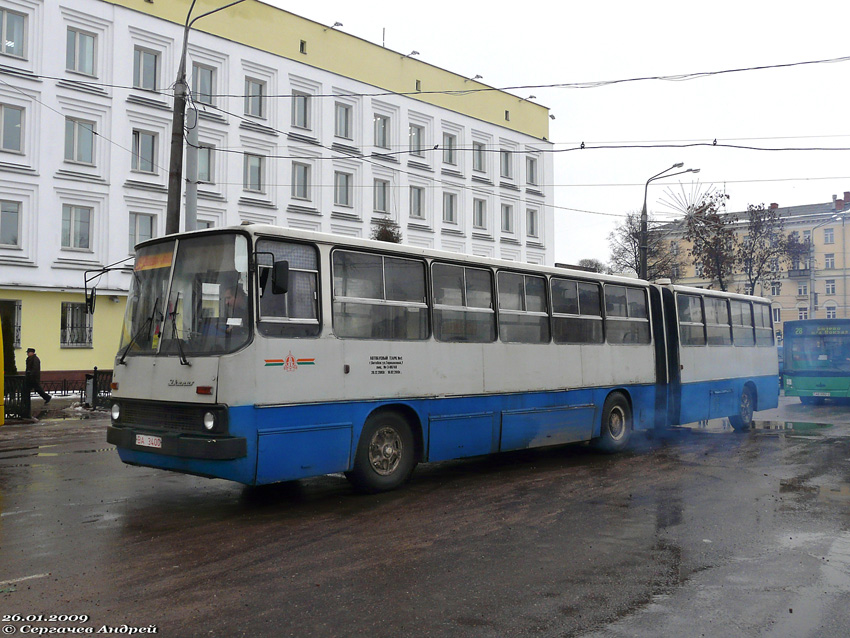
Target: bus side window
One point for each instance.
(523, 312)
(742, 323)
(576, 312)
(626, 315)
(691, 322)
(764, 325)
(379, 297)
(717, 322)
(294, 313)
(463, 304)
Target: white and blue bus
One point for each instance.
(261, 354)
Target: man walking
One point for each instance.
(32, 378)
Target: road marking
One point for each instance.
(20, 580)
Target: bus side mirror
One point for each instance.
(91, 297)
(280, 277)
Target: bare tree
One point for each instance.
(765, 248)
(714, 245)
(662, 260)
(387, 230)
(594, 265)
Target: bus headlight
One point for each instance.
(116, 411)
(209, 420)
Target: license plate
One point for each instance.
(821, 394)
(148, 441)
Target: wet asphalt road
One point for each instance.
(702, 532)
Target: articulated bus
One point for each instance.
(817, 359)
(261, 354)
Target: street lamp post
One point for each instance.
(178, 122)
(642, 247)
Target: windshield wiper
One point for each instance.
(173, 314)
(146, 325)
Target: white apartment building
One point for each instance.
(299, 125)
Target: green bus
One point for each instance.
(817, 359)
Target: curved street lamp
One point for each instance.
(643, 274)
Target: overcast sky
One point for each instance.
(573, 42)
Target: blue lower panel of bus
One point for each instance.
(717, 399)
(292, 442)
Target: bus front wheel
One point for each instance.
(616, 424)
(744, 419)
(385, 455)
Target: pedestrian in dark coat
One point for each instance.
(33, 377)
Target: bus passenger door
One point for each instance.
(662, 389)
(674, 373)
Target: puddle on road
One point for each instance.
(799, 427)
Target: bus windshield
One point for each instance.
(824, 353)
(188, 297)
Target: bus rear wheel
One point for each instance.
(744, 419)
(616, 424)
(385, 455)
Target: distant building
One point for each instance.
(816, 287)
(300, 125)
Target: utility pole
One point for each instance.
(178, 123)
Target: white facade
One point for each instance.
(311, 150)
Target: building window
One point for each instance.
(802, 288)
(145, 64)
(829, 261)
(76, 226)
(831, 312)
(300, 181)
(417, 137)
(206, 165)
(80, 52)
(79, 141)
(342, 120)
(674, 247)
(507, 218)
(342, 188)
(802, 313)
(777, 315)
(141, 229)
(450, 208)
(300, 110)
(382, 196)
(144, 151)
(10, 223)
(807, 236)
(830, 286)
(531, 223)
(10, 312)
(417, 202)
(203, 83)
(531, 170)
(479, 214)
(829, 235)
(449, 148)
(252, 179)
(14, 30)
(382, 131)
(11, 128)
(506, 164)
(775, 288)
(76, 326)
(255, 94)
(479, 161)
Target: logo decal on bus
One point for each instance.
(290, 363)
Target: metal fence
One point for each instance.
(97, 394)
